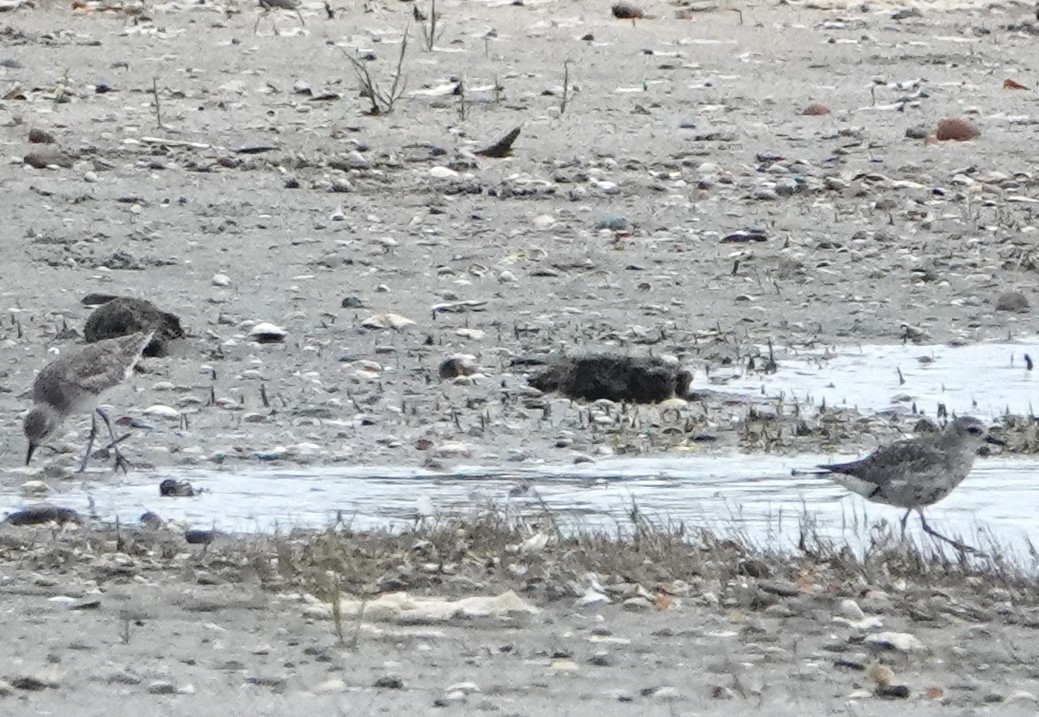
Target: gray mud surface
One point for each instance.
(616, 224)
(666, 196)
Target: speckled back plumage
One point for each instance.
(80, 376)
(914, 472)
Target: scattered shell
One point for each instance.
(457, 365)
(956, 129)
(900, 641)
(164, 412)
(265, 333)
(387, 321)
(34, 487)
(881, 674)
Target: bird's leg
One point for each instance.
(962, 547)
(301, 23)
(258, 18)
(120, 460)
(90, 443)
(903, 521)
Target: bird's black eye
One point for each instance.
(974, 430)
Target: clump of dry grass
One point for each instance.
(544, 557)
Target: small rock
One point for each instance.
(880, 674)
(390, 682)
(39, 136)
(754, 568)
(956, 129)
(782, 588)
(387, 321)
(1013, 301)
(88, 603)
(892, 692)
(851, 610)
(466, 688)
(266, 333)
(161, 687)
(49, 156)
(601, 659)
(457, 365)
(40, 514)
(172, 488)
(613, 222)
(33, 683)
(199, 537)
(900, 641)
(816, 109)
(637, 604)
(352, 302)
(1022, 696)
(333, 685)
(221, 280)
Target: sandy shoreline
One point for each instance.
(615, 225)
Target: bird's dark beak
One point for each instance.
(995, 441)
(28, 456)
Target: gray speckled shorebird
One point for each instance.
(75, 382)
(916, 472)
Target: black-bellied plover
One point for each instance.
(74, 382)
(916, 472)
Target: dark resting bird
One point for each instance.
(916, 472)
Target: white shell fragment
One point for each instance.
(267, 333)
(387, 321)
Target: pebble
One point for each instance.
(387, 321)
(892, 692)
(851, 610)
(637, 604)
(1022, 696)
(1012, 301)
(899, 641)
(782, 588)
(164, 412)
(601, 659)
(333, 685)
(390, 682)
(39, 514)
(267, 333)
(221, 280)
(33, 683)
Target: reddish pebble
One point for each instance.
(956, 129)
(816, 108)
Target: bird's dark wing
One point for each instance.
(878, 468)
(94, 368)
